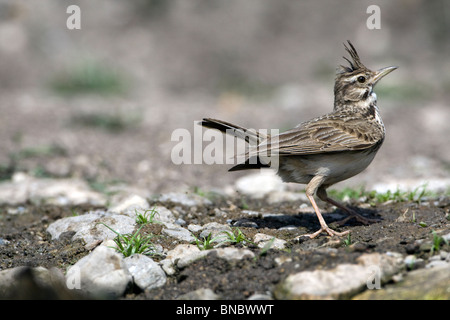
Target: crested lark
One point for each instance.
(328, 149)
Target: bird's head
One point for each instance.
(354, 84)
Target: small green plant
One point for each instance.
(347, 193)
(244, 204)
(373, 197)
(88, 77)
(129, 244)
(437, 242)
(347, 242)
(210, 195)
(423, 224)
(207, 242)
(235, 236)
(148, 216)
(111, 122)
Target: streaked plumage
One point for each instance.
(328, 149)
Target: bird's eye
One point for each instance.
(361, 79)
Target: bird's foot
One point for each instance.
(328, 230)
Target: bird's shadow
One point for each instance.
(306, 220)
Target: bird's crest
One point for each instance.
(356, 64)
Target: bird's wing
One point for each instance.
(330, 133)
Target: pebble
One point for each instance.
(189, 200)
(342, 281)
(426, 283)
(101, 274)
(199, 294)
(62, 192)
(215, 228)
(245, 224)
(232, 254)
(263, 240)
(178, 232)
(258, 185)
(146, 273)
(130, 205)
(173, 256)
(87, 227)
(412, 262)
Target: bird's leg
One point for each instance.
(322, 194)
(310, 191)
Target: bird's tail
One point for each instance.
(251, 136)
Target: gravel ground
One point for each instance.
(405, 228)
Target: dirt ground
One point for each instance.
(401, 228)
(101, 104)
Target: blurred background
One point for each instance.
(101, 103)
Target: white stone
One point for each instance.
(232, 254)
(102, 273)
(146, 273)
(215, 228)
(23, 188)
(130, 205)
(89, 228)
(178, 232)
(177, 253)
(259, 184)
(262, 240)
(189, 200)
(282, 196)
(164, 215)
(342, 281)
(199, 294)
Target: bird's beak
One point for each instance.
(382, 72)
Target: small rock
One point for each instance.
(164, 215)
(262, 240)
(342, 281)
(17, 210)
(282, 196)
(251, 213)
(101, 274)
(232, 254)
(88, 228)
(421, 284)
(446, 237)
(146, 273)
(215, 229)
(194, 228)
(178, 232)
(259, 184)
(63, 192)
(199, 294)
(437, 263)
(245, 224)
(412, 262)
(130, 205)
(389, 263)
(283, 259)
(189, 200)
(176, 254)
(260, 296)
